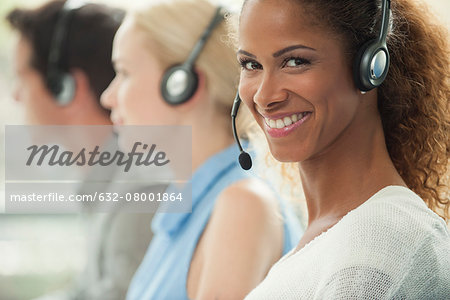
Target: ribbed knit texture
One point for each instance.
(390, 247)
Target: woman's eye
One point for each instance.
(121, 72)
(250, 65)
(295, 62)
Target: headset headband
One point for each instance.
(204, 38)
(385, 8)
(180, 81)
(60, 34)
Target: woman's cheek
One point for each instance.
(245, 91)
(123, 102)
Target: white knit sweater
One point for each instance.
(390, 247)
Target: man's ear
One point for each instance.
(83, 91)
(85, 107)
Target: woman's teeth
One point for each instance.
(286, 121)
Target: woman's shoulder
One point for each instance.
(247, 213)
(391, 230)
(243, 230)
(250, 196)
(392, 244)
(399, 211)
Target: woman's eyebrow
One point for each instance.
(246, 53)
(279, 52)
(290, 48)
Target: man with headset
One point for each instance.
(63, 64)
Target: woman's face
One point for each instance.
(295, 79)
(134, 95)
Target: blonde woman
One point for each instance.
(237, 228)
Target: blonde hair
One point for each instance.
(174, 27)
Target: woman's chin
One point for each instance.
(286, 155)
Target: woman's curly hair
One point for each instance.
(413, 101)
(414, 104)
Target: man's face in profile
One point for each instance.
(30, 89)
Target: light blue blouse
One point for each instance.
(164, 269)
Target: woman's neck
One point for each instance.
(348, 172)
(210, 134)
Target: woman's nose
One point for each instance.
(108, 97)
(269, 92)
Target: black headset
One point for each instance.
(245, 159)
(60, 82)
(370, 68)
(180, 82)
(371, 63)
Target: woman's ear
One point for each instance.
(200, 93)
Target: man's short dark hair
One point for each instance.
(89, 43)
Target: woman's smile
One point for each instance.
(280, 126)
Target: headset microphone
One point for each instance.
(244, 158)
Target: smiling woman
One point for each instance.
(370, 156)
(317, 75)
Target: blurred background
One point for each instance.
(42, 253)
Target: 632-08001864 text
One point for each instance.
(102, 197)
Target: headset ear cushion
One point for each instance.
(65, 96)
(62, 86)
(371, 65)
(178, 84)
(361, 66)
